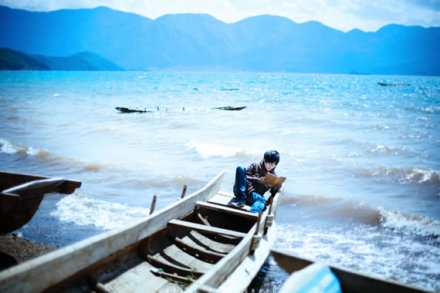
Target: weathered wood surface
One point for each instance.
(9, 179)
(225, 266)
(210, 245)
(350, 281)
(205, 229)
(195, 238)
(235, 271)
(225, 209)
(21, 195)
(50, 269)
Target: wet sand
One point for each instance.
(15, 250)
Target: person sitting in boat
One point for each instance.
(250, 184)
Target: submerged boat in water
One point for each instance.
(198, 243)
(21, 195)
(129, 110)
(230, 108)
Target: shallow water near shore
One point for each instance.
(362, 160)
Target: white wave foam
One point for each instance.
(11, 148)
(207, 150)
(409, 224)
(85, 211)
(367, 249)
(382, 149)
(421, 175)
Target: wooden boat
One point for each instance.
(230, 108)
(196, 244)
(128, 110)
(22, 194)
(349, 281)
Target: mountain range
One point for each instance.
(202, 42)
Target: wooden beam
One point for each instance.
(205, 229)
(159, 273)
(169, 267)
(225, 266)
(153, 204)
(183, 191)
(198, 252)
(225, 209)
(99, 287)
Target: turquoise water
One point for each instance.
(362, 160)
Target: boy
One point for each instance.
(249, 186)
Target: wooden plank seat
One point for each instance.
(226, 209)
(224, 199)
(205, 229)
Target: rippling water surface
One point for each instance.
(362, 160)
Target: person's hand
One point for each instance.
(262, 180)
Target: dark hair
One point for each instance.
(272, 156)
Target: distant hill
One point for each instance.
(14, 60)
(202, 42)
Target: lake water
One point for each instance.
(362, 160)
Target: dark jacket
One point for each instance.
(257, 170)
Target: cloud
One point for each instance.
(429, 4)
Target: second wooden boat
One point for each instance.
(21, 195)
(197, 244)
(349, 281)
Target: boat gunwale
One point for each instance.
(46, 271)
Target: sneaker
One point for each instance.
(237, 203)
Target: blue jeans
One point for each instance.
(255, 200)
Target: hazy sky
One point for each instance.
(368, 15)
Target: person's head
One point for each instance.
(271, 159)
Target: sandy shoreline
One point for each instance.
(15, 249)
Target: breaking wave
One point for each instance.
(367, 249)
(383, 149)
(319, 207)
(8, 147)
(409, 224)
(83, 210)
(418, 175)
(206, 150)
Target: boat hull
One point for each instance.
(350, 281)
(21, 195)
(196, 244)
